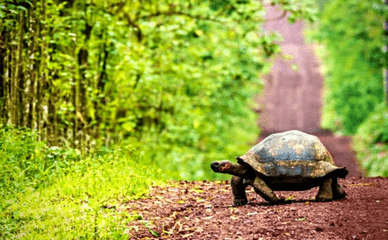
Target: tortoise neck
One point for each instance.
(240, 170)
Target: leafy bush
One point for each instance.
(352, 34)
(371, 142)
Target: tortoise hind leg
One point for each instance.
(264, 191)
(238, 188)
(325, 192)
(338, 190)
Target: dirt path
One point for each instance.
(293, 99)
(202, 210)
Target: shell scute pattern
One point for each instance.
(290, 154)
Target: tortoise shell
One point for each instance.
(290, 154)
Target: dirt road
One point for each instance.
(293, 98)
(203, 210)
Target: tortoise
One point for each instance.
(288, 161)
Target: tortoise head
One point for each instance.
(231, 168)
(221, 166)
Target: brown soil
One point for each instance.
(203, 210)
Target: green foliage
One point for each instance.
(85, 202)
(352, 34)
(175, 78)
(196, 79)
(28, 163)
(371, 142)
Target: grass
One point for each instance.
(76, 201)
(75, 206)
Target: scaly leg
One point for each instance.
(338, 190)
(238, 188)
(325, 192)
(264, 191)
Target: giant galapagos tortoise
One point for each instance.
(288, 161)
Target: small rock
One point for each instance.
(364, 232)
(252, 213)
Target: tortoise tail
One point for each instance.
(342, 172)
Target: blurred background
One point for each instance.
(178, 84)
(102, 99)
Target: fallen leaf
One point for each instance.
(290, 198)
(197, 190)
(187, 235)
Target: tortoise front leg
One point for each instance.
(264, 191)
(238, 188)
(325, 192)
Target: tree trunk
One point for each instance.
(83, 115)
(3, 79)
(75, 105)
(20, 73)
(14, 86)
(32, 66)
(100, 99)
(52, 120)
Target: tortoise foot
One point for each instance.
(240, 202)
(276, 201)
(339, 193)
(323, 199)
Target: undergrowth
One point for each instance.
(352, 38)
(371, 143)
(53, 193)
